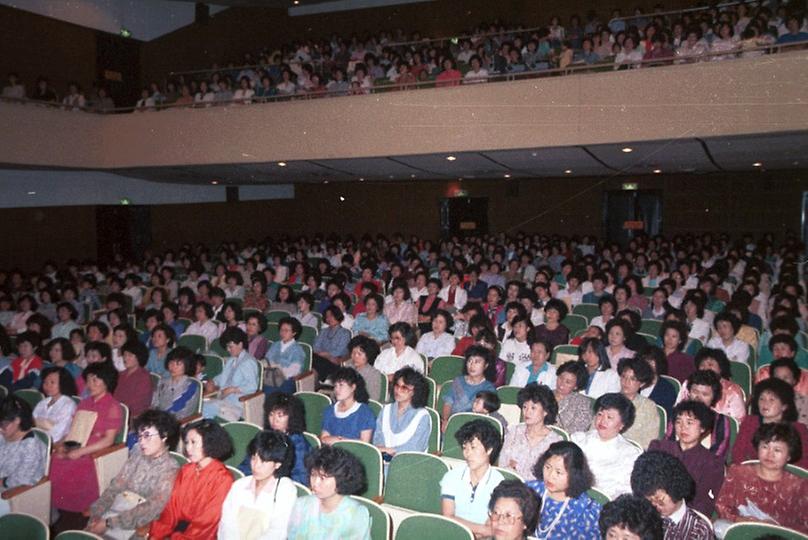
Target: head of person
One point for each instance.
(441, 321)
(714, 360)
(235, 340)
(363, 350)
(206, 439)
(592, 353)
(538, 404)
(481, 443)
(157, 432)
(514, 510)
(674, 335)
(555, 310)
(783, 346)
(57, 381)
(271, 455)
(786, 369)
(333, 316)
(285, 413)
(180, 361)
(692, 421)
(16, 418)
(256, 324)
(630, 518)
(564, 470)
(480, 362)
(485, 402)
(348, 383)
(617, 331)
(635, 374)
(401, 335)
(777, 444)
(614, 414)
(101, 378)
(571, 377)
(27, 344)
(705, 386)
(726, 325)
(373, 304)
(773, 401)
(289, 328)
(409, 385)
(662, 480)
(335, 472)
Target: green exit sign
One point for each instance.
(630, 186)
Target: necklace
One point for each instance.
(545, 531)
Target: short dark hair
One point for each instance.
(29, 337)
(234, 334)
(577, 369)
(335, 312)
(541, 394)
(137, 348)
(780, 431)
(598, 348)
(216, 442)
(346, 469)
(783, 391)
(677, 326)
(488, 357)
(205, 306)
(491, 402)
(165, 423)
(68, 352)
(293, 323)
(580, 477)
(405, 329)
(184, 355)
(726, 316)
(351, 376)
(786, 339)
(13, 407)
(262, 321)
(719, 356)
(103, 328)
(524, 497)
(655, 470)
(67, 384)
(621, 404)
(100, 347)
(608, 299)
(642, 370)
(557, 305)
(274, 446)
(483, 431)
(291, 405)
(104, 371)
(697, 410)
(707, 377)
(420, 394)
(74, 313)
(653, 353)
(366, 345)
(633, 513)
(787, 363)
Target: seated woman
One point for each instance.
(630, 517)
(478, 374)
(674, 339)
(60, 353)
(23, 371)
(72, 471)
(134, 387)
(54, 414)
(607, 306)
(693, 306)
(195, 506)
(772, 402)
(659, 390)
(285, 358)
(67, 315)
(22, 455)
(254, 327)
(401, 309)
(574, 408)
(329, 513)
(731, 401)
(786, 369)
(256, 296)
(602, 378)
(616, 333)
(401, 354)
(635, 374)
(665, 482)
(363, 353)
(372, 323)
(516, 346)
(203, 325)
(438, 342)
(428, 305)
(349, 418)
(331, 346)
(305, 305)
(259, 505)
(26, 306)
(552, 330)
(692, 422)
(285, 300)
(537, 369)
(286, 414)
(405, 424)
(562, 478)
(777, 493)
(232, 315)
(176, 393)
(726, 326)
(526, 442)
(138, 494)
(658, 307)
(239, 377)
(466, 490)
(705, 387)
(513, 510)
(610, 456)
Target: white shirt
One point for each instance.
(610, 461)
(699, 329)
(209, 330)
(55, 419)
(547, 376)
(266, 517)
(604, 382)
(460, 299)
(243, 96)
(737, 351)
(515, 352)
(388, 363)
(476, 76)
(432, 347)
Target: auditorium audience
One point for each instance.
(404, 425)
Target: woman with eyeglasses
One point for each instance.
(137, 495)
(405, 424)
(513, 511)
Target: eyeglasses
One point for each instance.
(507, 519)
(402, 386)
(145, 435)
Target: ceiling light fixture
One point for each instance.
(757, 164)
(657, 171)
(450, 158)
(325, 181)
(214, 182)
(627, 150)
(507, 175)
(341, 198)
(361, 179)
(281, 164)
(568, 171)
(32, 193)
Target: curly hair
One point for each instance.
(524, 497)
(347, 470)
(138, 349)
(420, 394)
(290, 404)
(234, 334)
(697, 410)
(366, 345)
(633, 513)
(783, 391)
(642, 369)
(67, 384)
(273, 446)
(784, 432)
(13, 407)
(216, 442)
(716, 354)
(559, 306)
(490, 372)
(483, 431)
(677, 327)
(351, 376)
(104, 371)
(541, 394)
(655, 470)
(579, 475)
(621, 404)
(166, 425)
(294, 324)
(578, 370)
(183, 355)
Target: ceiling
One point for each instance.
(780, 151)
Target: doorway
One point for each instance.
(630, 213)
(463, 216)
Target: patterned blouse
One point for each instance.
(578, 520)
(517, 448)
(348, 520)
(574, 413)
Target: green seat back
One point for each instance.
(420, 527)
(272, 333)
(563, 349)
(30, 396)
(575, 322)
(23, 527)
(450, 446)
(307, 335)
(120, 437)
(435, 435)
(302, 491)
(673, 381)
(309, 353)
(560, 431)
(241, 433)
(508, 474)
(589, 311)
(430, 402)
(742, 376)
(371, 459)
(507, 394)
(235, 473)
(179, 458)
(649, 339)
(217, 348)
(193, 342)
(598, 496)
(77, 535)
(375, 406)
(380, 522)
(510, 367)
(446, 368)
(312, 439)
(213, 366)
(663, 421)
(314, 404)
(276, 315)
(651, 326)
(748, 531)
(413, 482)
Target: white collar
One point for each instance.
(679, 514)
(349, 412)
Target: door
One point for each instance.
(628, 214)
(463, 216)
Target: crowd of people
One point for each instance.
(356, 65)
(616, 428)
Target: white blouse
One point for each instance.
(56, 418)
(265, 517)
(610, 461)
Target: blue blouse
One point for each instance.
(461, 396)
(579, 520)
(351, 426)
(377, 328)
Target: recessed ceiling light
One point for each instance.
(568, 171)
(757, 164)
(361, 179)
(32, 193)
(325, 181)
(214, 182)
(412, 176)
(296, 2)
(450, 158)
(507, 175)
(534, 154)
(628, 150)
(657, 171)
(281, 164)
(341, 198)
